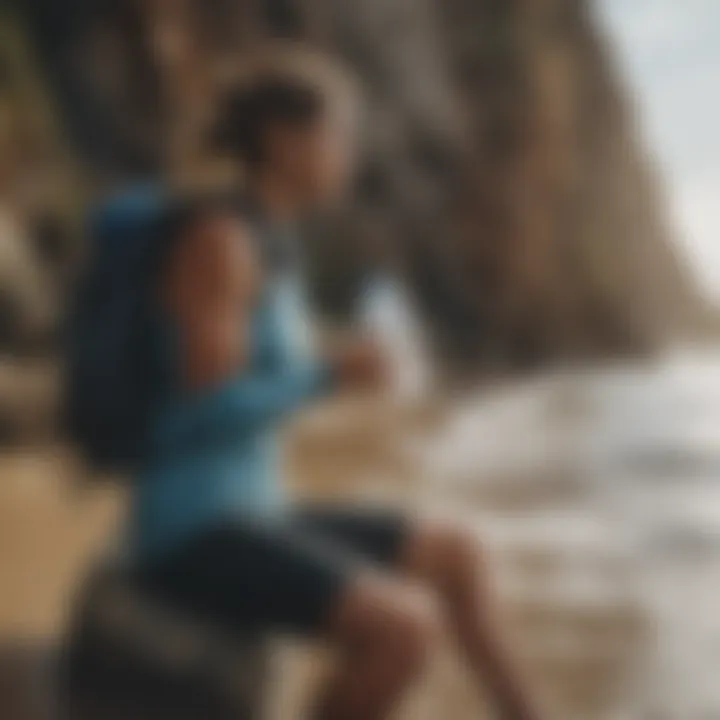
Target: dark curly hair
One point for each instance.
(289, 86)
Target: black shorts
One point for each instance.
(249, 576)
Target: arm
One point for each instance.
(209, 290)
(259, 401)
(250, 402)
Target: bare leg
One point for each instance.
(451, 561)
(385, 631)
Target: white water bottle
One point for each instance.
(388, 317)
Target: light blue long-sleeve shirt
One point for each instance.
(215, 455)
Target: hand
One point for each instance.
(360, 365)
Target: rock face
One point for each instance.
(37, 199)
(504, 176)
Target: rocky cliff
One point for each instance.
(504, 177)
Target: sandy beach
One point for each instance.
(596, 493)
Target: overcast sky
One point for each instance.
(671, 52)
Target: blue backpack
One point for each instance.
(113, 376)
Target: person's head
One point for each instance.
(292, 117)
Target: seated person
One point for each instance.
(211, 530)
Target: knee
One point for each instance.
(416, 629)
(399, 623)
(450, 554)
(463, 546)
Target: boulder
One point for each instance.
(129, 658)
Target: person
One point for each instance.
(213, 533)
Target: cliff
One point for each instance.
(505, 176)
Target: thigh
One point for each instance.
(249, 576)
(378, 535)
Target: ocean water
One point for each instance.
(601, 488)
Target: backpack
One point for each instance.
(113, 376)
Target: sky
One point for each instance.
(670, 51)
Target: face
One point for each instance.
(318, 159)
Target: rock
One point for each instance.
(26, 302)
(504, 176)
(128, 658)
(29, 400)
(27, 673)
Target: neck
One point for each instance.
(276, 199)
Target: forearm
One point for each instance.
(254, 402)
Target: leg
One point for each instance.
(385, 631)
(451, 561)
(281, 576)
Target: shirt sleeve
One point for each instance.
(252, 403)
